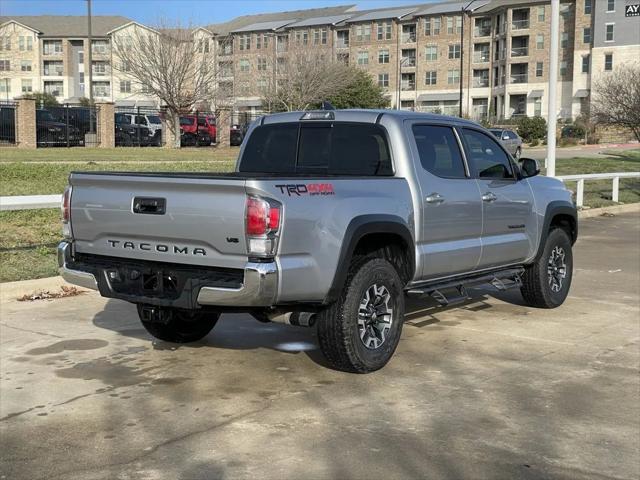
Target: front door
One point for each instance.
(509, 229)
(451, 209)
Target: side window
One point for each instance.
(439, 151)
(512, 135)
(485, 156)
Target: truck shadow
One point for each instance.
(242, 332)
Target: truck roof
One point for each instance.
(362, 115)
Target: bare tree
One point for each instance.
(166, 62)
(616, 98)
(302, 77)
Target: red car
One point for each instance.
(205, 122)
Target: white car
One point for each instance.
(151, 121)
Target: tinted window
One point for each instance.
(496, 133)
(512, 135)
(186, 121)
(485, 155)
(154, 119)
(324, 148)
(439, 151)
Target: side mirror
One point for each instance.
(505, 136)
(529, 167)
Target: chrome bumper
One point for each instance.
(259, 288)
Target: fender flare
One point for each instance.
(356, 230)
(557, 207)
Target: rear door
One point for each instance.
(509, 226)
(451, 210)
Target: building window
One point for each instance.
(100, 46)
(5, 65)
(363, 58)
(609, 32)
(458, 24)
(437, 23)
(125, 66)
(99, 69)
(608, 62)
(431, 53)
(320, 36)
(587, 7)
(262, 64)
(541, 14)
(585, 63)
(586, 35)
(5, 86)
(564, 40)
(540, 41)
(431, 78)
(25, 65)
(451, 107)
(384, 31)
(203, 45)
(52, 47)
(261, 83)
(244, 42)
(25, 43)
(125, 86)
(383, 79)
(453, 77)
(52, 68)
(427, 27)
(53, 88)
(383, 56)
(450, 25)
(100, 89)
(5, 43)
(454, 51)
(244, 65)
(537, 107)
(539, 69)
(27, 86)
(363, 33)
(563, 68)
(611, 6)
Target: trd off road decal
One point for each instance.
(307, 189)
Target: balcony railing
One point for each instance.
(519, 51)
(482, 31)
(480, 82)
(409, 37)
(519, 78)
(405, 86)
(481, 57)
(520, 24)
(342, 43)
(408, 61)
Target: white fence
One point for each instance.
(580, 179)
(26, 202)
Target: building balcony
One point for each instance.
(482, 31)
(481, 57)
(522, 24)
(519, 78)
(407, 86)
(480, 82)
(409, 37)
(342, 44)
(519, 51)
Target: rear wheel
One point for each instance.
(361, 330)
(177, 326)
(546, 283)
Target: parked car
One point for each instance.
(128, 134)
(7, 124)
(510, 140)
(237, 134)
(52, 133)
(205, 122)
(190, 139)
(151, 122)
(330, 219)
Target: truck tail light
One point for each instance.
(262, 226)
(66, 212)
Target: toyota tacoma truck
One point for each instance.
(329, 220)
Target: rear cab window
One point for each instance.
(322, 148)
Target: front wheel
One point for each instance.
(361, 330)
(177, 326)
(546, 283)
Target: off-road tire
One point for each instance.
(338, 330)
(182, 326)
(536, 284)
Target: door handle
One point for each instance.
(489, 197)
(435, 198)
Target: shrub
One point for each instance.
(534, 143)
(532, 128)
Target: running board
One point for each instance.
(500, 280)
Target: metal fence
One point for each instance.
(67, 126)
(8, 123)
(138, 127)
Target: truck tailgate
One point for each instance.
(202, 221)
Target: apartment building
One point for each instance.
(414, 52)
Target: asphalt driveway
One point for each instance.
(491, 389)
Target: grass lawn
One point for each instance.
(27, 244)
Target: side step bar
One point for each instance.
(450, 292)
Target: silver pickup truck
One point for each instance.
(330, 219)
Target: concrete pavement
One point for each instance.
(491, 389)
(584, 151)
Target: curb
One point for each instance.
(613, 210)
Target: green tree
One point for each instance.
(360, 92)
(43, 99)
(85, 102)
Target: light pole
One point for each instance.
(553, 83)
(462, 14)
(90, 64)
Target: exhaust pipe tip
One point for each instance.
(297, 319)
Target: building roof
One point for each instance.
(68, 25)
(294, 15)
(264, 26)
(329, 20)
(380, 14)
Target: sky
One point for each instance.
(200, 12)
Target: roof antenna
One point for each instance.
(326, 105)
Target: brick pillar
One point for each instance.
(106, 124)
(26, 123)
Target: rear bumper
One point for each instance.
(259, 286)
